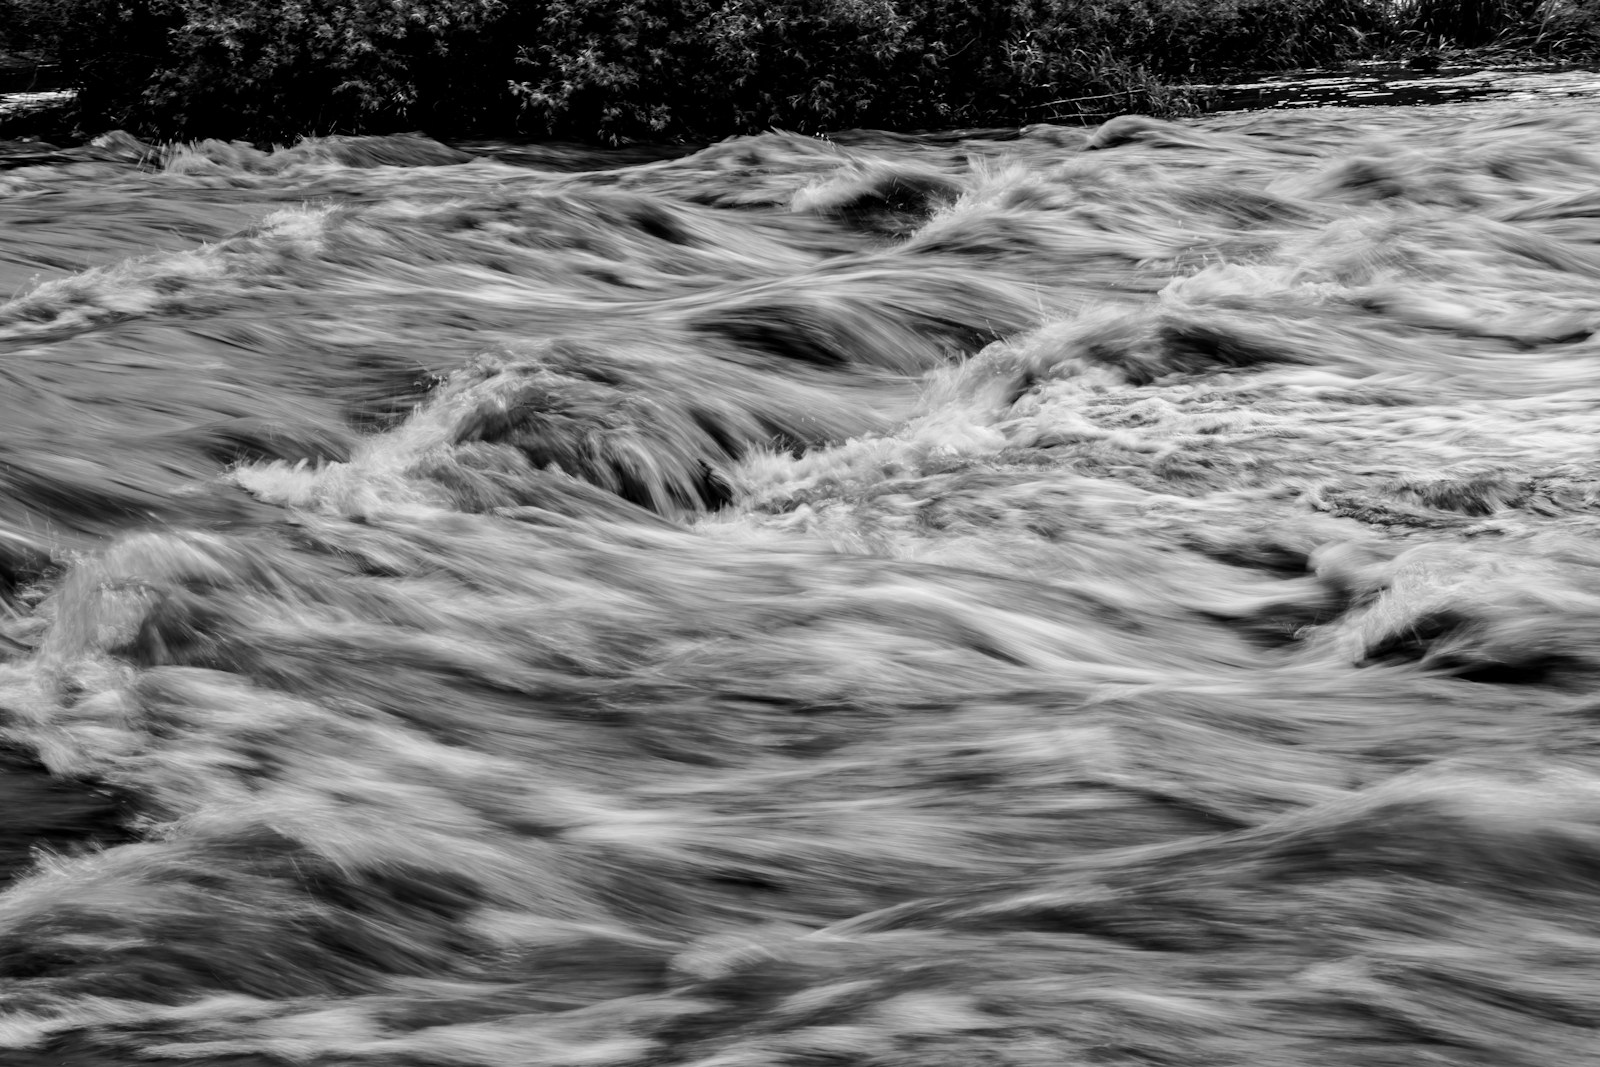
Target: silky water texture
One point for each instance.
(1126, 595)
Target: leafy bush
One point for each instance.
(266, 68)
(321, 65)
(614, 70)
(653, 68)
(631, 68)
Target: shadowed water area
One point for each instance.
(1119, 595)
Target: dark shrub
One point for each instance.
(618, 70)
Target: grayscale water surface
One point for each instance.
(1116, 596)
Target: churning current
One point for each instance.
(1116, 596)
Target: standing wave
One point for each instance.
(1122, 596)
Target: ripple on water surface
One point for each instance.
(1125, 594)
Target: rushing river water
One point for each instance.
(1114, 595)
(1368, 84)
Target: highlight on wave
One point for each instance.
(1119, 595)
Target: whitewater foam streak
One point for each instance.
(1113, 596)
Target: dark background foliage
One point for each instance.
(616, 70)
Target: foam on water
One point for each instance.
(1124, 595)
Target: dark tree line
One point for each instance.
(611, 70)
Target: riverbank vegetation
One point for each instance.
(615, 70)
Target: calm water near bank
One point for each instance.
(1389, 84)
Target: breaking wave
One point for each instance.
(1115, 596)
